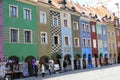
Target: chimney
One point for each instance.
(90, 15)
(63, 4)
(109, 18)
(73, 8)
(49, 1)
(83, 13)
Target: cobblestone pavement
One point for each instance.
(110, 72)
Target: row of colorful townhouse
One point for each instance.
(42, 31)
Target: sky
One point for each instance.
(82, 2)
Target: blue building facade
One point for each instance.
(85, 40)
(105, 43)
(66, 35)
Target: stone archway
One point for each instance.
(77, 61)
(44, 59)
(95, 56)
(114, 58)
(12, 62)
(84, 61)
(106, 59)
(118, 58)
(100, 58)
(15, 59)
(30, 60)
(67, 58)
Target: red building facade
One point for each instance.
(94, 41)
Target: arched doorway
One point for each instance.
(15, 59)
(13, 62)
(30, 60)
(67, 58)
(56, 58)
(100, 58)
(90, 60)
(114, 58)
(119, 58)
(110, 58)
(45, 60)
(95, 56)
(105, 59)
(84, 61)
(77, 61)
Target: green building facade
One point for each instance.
(20, 25)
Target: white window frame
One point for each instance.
(94, 43)
(46, 40)
(105, 44)
(118, 44)
(16, 11)
(24, 15)
(90, 42)
(10, 35)
(83, 42)
(58, 39)
(87, 27)
(112, 34)
(67, 22)
(83, 28)
(77, 42)
(68, 40)
(76, 26)
(93, 28)
(104, 32)
(118, 33)
(31, 35)
(53, 21)
(42, 12)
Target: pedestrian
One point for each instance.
(50, 68)
(64, 65)
(43, 70)
(36, 70)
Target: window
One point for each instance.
(27, 14)
(83, 26)
(88, 28)
(42, 17)
(112, 34)
(110, 45)
(113, 45)
(84, 42)
(118, 33)
(55, 21)
(94, 43)
(14, 35)
(108, 34)
(76, 42)
(28, 36)
(56, 40)
(67, 41)
(93, 28)
(89, 44)
(118, 44)
(75, 25)
(105, 44)
(43, 38)
(104, 32)
(13, 11)
(65, 23)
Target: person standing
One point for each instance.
(64, 65)
(43, 70)
(36, 70)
